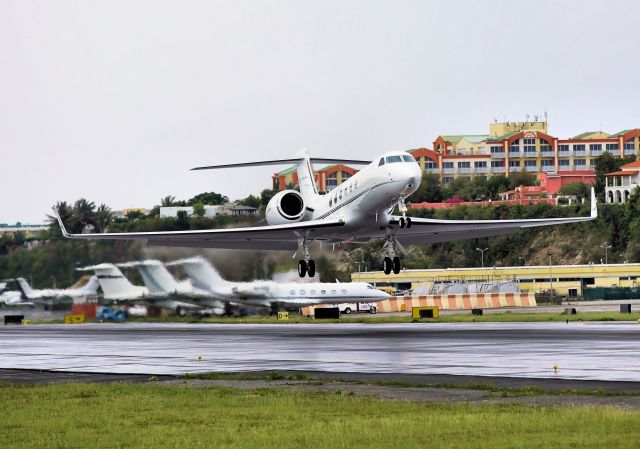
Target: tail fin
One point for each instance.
(26, 289)
(114, 284)
(91, 287)
(306, 180)
(155, 276)
(202, 274)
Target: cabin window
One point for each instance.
(313, 292)
(344, 292)
(333, 292)
(302, 292)
(292, 292)
(324, 292)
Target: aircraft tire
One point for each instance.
(396, 265)
(311, 268)
(408, 222)
(401, 220)
(302, 268)
(373, 310)
(387, 265)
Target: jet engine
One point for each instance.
(285, 207)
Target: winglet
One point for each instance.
(60, 223)
(594, 204)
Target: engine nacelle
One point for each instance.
(285, 207)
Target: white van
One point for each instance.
(348, 307)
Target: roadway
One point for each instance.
(585, 351)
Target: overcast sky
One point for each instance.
(115, 100)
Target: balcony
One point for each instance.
(481, 169)
(498, 155)
(515, 169)
(548, 168)
(629, 151)
(579, 167)
(464, 169)
(515, 154)
(547, 153)
(530, 154)
(579, 152)
(432, 170)
(448, 171)
(596, 152)
(530, 168)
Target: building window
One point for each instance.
(563, 148)
(447, 179)
(629, 144)
(514, 163)
(564, 162)
(529, 145)
(515, 146)
(447, 164)
(497, 149)
(592, 162)
(497, 164)
(580, 147)
(530, 163)
(545, 146)
(582, 162)
(595, 146)
(332, 181)
(612, 147)
(464, 164)
(547, 162)
(480, 164)
(345, 176)
(428, 163)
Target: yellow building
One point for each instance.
(566, 280)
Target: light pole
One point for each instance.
(550, 277)
(524, 260)
(361, 263)
(482, 254)
(606, 253)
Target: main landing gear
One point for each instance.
(306, 265)
(391, 262)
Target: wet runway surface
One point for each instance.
(587, 351)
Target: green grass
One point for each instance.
(159, 416)
(272, 375)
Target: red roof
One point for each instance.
(635, 164)
(620, 173)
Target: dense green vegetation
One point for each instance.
(156, 416)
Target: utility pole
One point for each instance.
(524, 260)
(550, 277)
(606, 252)
(482, 254)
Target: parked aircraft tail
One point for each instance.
(155, 276)
(25, 288)
(202, 274)
(113, 283)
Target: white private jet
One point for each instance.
(13, 298)
(272, 294)
(357, 211)
(116, 287)
(159, 282)
(89, 289)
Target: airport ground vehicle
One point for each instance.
(109, 314)
(352, 307)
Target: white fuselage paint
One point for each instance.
(365, 200)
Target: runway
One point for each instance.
(585, 351)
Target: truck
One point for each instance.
(348, 307)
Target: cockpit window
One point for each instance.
(408, 158)
(393, 159)
(381, 162)
(370, 287)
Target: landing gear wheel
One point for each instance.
(181, 312)
(311, 268)
(402, 222)
(387, 265)
(373, 310)
(408, 222)
(396, 265)
(302, 268)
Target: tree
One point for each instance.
(522, 178)
(167, 201)
(199, 210)
(103, 217)
(266, 195)
(182, 220)
(251, 200)
(578, 189)
(429, 190)
(134, 215)
(209, 198)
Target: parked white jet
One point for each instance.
(272, 294)
(116, 287)
(357, 211)
(160, 282)
(90, 288)
(13, 298)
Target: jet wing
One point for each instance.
(276, 237)
(427, 230)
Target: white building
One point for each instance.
(172, 211)
(621, 184)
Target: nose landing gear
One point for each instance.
(402, 207)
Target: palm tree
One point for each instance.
(83, 214)
(65, 211)
(167, 201)
(103, 217)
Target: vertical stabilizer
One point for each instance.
(201, 273)
(157, 278)
(113, 283)
(26, 289)
(306, 179)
